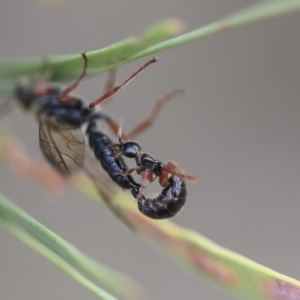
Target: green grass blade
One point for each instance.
(102, 275)
(155, 39)
(223, 268)
(70, 66)
(262, 10)
(30, 242)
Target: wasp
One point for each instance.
(173, 196)
(61, 115)
(174, 193)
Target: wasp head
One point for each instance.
(25, 93)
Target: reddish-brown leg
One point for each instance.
(163, 178)
(117, 88)
(113, 126)
(172, 167)
(42, 86)
(148, 122)
(110, 83)
(150, 176)
(62, 97)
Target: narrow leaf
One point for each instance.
(100, 274)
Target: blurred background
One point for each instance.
(238, 128)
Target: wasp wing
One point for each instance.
(62, 147)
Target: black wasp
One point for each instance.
(173, 196)
(61, 116)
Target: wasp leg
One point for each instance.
(117, 88)
(62, 97)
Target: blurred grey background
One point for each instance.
(238, 128)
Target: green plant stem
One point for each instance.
(68, 253)
(260, 11)
(22, 236)
(155, 39)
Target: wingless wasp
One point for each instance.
(61, 116)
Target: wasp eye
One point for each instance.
(25, 93)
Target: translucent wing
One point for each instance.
(62, 147)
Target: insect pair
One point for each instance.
(61, 116)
